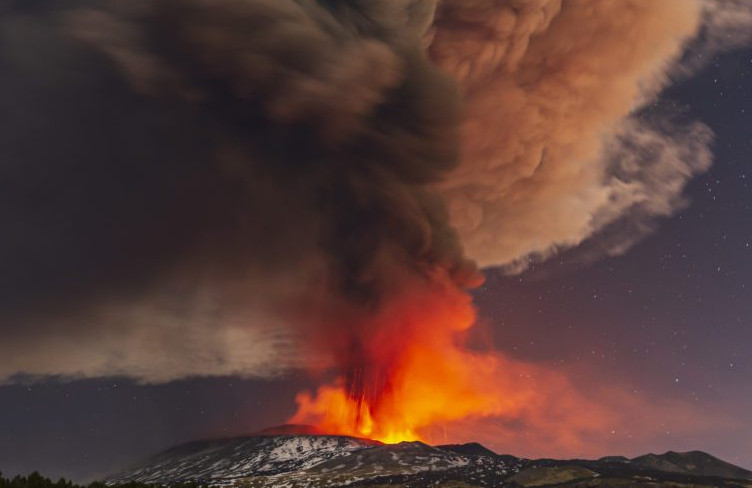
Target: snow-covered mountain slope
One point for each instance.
(310, 460)
(315, 460)
(407, 463)
(224, 460)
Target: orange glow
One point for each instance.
(407, 374)
(411, 370)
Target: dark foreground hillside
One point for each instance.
(36, 480)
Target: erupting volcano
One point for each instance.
(407, 369)
(275, 186)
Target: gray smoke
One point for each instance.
(189, 176)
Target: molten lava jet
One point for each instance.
(406, 369)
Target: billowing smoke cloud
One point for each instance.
(725, 25)
(176, 158)
(556, 144)
(201, 177)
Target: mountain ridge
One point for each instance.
(695, 462)
(267, 459)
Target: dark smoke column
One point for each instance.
(324, 128)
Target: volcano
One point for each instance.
(295, 456)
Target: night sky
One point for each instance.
(669, 320)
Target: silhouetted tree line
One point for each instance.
(36, 480)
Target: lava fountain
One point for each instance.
(407, 369)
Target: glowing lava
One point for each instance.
(407, 370)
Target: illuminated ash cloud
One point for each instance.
(559, 142)
(228, 170)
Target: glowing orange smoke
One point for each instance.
(408, 370)
(408, 375)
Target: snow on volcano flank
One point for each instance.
(315, 460)
(221, 461)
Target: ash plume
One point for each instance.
(225, 179)
(209, 163)
(554, 94)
